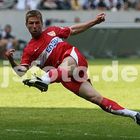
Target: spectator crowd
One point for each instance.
(113, 5)
(8, 40)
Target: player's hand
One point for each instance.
(9, 53)
(100, 18)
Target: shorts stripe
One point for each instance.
(74, 55)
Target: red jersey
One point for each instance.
(49, 49)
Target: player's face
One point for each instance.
(34, 26)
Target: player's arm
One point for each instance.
(19, 69)
(78, 28)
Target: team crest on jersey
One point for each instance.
(52, 33)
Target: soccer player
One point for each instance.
(66, 64)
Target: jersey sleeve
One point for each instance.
(25, 59)
(62, 32)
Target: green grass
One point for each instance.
(28, 114)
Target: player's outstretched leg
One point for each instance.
(89, 93)
(114, 108)
(53, 75)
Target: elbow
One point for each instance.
(20, 70)
(20, 74)
(74, 32)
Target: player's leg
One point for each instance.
(59, 74)
(72, 59)
(87, 92)
(64, 70)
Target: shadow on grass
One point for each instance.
(64, 124)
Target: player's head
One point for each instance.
(34, 13)
(34, 22)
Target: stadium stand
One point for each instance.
(120, 27)
(6, 4)
(112, 5)
(122, 23)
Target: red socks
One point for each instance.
(110, 106)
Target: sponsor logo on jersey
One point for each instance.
(47, 51)
(53, 44)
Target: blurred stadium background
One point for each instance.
(26, 114)
(118, 36)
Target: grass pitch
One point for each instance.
(28, 114)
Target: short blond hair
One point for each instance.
(33, 13)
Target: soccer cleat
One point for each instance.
(137, 118)
(36, 82)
